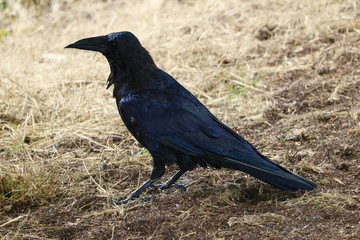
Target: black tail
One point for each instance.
(244, 157)
(274, 175)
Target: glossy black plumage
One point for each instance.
(172, 123)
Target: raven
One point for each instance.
(172, 123)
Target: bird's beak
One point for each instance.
(97, 44)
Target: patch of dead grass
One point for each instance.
(59, 126)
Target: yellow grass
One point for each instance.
(58, 124)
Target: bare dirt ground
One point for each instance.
(283, 74)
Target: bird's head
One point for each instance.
(122, 50)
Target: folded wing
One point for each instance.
(199, 134)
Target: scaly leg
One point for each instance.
(157, 172)
(137, 192)
(171, 181)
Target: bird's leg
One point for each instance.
(171, 181)
(157, 172)
(137, 192)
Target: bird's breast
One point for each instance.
(129, 99)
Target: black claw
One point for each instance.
(177, 185)
(122, 200)
(155, 186)
(125, 200)
(163, 186)
(148, 198)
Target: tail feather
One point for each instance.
(253, 162)
(276, 176)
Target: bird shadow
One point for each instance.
(253, 193)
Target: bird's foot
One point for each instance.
(163, 186)
(125, 200)
(120, 201)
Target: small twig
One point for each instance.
(244, 84)
(97, 143)
(113, 232)
(292, 157)
(92, 179)
(13, 220)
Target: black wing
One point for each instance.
(187, 126)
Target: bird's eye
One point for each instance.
(113, 43)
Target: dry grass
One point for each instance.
(284, 74)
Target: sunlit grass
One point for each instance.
(59, 125)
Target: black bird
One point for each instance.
(172, 123)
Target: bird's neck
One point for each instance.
(132, 80)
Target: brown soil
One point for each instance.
(284, 75)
